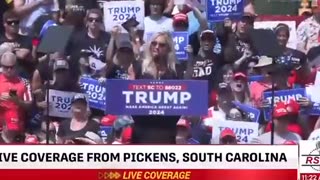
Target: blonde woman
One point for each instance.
(159, 60)
(158, 63)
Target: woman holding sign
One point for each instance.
(159, 63)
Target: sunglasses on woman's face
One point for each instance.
(13, 22)
(99, 20)
(160, 44)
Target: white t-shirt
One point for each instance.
(152, 26)
(315, 135)
(266, 138)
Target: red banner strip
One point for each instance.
(148, 174)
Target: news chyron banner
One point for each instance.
(309, 160)
(152, 162)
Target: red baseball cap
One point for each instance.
(239, 75)
(180, 18)
(108, 120)
(227, 132)
(282, 109)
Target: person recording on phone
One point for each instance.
(15, 96)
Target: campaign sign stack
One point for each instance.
(218, 10)
(157, 97)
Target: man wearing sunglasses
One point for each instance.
(15, 95)
(93, 41)
(206, 64)
(18, 44)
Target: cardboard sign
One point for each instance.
(282, 96)
(218, 10)
(157, 97)
(253, 113)
(245, 131)
(292, 43)
(60, 103)
(96, 93)
(181, 41)
(118, 12)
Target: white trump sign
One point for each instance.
(118, 12)
(244, 131)
(60, 103)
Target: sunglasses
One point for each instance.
(13, 22)
(8, 67)
(160, 44)
(99, 20)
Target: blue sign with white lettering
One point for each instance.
(282, 96)
(254, 114)
(95, 91)
(105, 132)
(181, 41)
(218, 10)
(157, 97)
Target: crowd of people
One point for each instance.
(223, 54)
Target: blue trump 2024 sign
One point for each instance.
(95, 91)
(254, 114)
(218, 10)
(282, 96)
(157, 97)
(181, 41)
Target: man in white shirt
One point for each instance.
(282, 116)
(156, 22)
